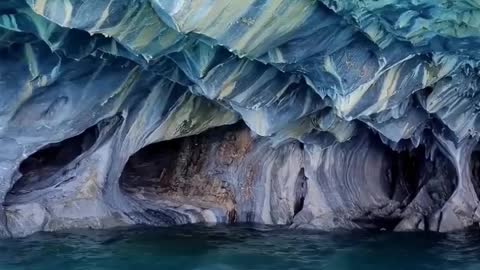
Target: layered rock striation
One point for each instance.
(323, 114)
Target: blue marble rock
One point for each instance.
(322, 114)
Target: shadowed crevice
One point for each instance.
(475, 163)
(300, 191)
(39, 167)
(406, 173)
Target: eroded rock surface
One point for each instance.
(326, 114)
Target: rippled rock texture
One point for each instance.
(324, 114)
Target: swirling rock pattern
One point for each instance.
(327, 114)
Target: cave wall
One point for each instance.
(326, 114)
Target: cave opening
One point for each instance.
(403, 180)
(419, 170)
(406, 170)
(421, 181)
(190, 172)
(37, 170)
(425, 180)
(475, 167)
(151, 168)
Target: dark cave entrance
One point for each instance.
(406, 173)
(419, 181)
(184, 171)
(475, 167)
(37, 170)
(152, 167)
(403, 180)
(418, 170)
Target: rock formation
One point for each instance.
(323, 114)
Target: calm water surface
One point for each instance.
(252, 248)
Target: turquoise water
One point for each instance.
(251, 248)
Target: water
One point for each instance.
(252, 248)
